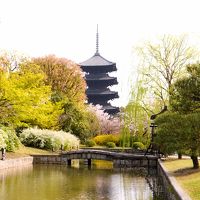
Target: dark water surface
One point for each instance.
(54, 182)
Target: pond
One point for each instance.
(55, 182)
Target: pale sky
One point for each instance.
(67, 28)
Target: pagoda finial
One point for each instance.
(97, 42)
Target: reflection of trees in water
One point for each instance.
(136, 188)
(156, 185)
(123, 186)
(12, 179)
(42, 182)
(15, 171)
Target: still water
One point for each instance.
(54, 182)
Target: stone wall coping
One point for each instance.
(125, 149)
(15, 159)
(176, 186)
(110, 153)
(45, 155)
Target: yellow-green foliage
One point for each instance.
(104, 139)
(90, 143)
(111, 145)
(25, 99)
(138, 145)
(3, 137)
(8, 139)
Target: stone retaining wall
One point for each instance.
(11, 163)
(119, 150)
(170, 185)
(49, 159)
(122, 163)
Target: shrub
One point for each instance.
(90, 143)
(8, 139)
(13, 141)
(104, 139)
(138, 145)
(110, 145)
(48, 139)
(3, 138)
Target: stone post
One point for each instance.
(3, 152)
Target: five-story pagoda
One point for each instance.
(97, 77)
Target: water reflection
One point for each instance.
(50, 182)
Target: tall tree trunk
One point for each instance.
(195, 162)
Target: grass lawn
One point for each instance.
(25, 151)
(187, 177)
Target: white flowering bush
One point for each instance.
(48, 139)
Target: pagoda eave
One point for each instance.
(99, 92)
(111, 109)
(106, 97)
(99, 68)
(93, 78)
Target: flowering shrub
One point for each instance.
(107, 123)
(48, 139)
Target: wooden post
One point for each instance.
(69, 162)
(3, 151)
(89, 162)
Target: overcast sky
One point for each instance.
(67, 28)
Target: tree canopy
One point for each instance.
(46, 92)
(64, 76)
(179, 130)
(186, 91)
(179, 133)
(25, 99)
(163, 62)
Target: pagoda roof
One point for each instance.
(110, 109)
(99, 92)
(97, 60)
(102, 77)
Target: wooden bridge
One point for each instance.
(119, 159)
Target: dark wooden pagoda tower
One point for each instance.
(98, 80)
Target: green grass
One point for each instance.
(25, 151)
(186, 176)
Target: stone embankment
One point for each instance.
(170, 185)
(17, 162)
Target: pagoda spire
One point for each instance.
(98, 81)
(97, 42)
